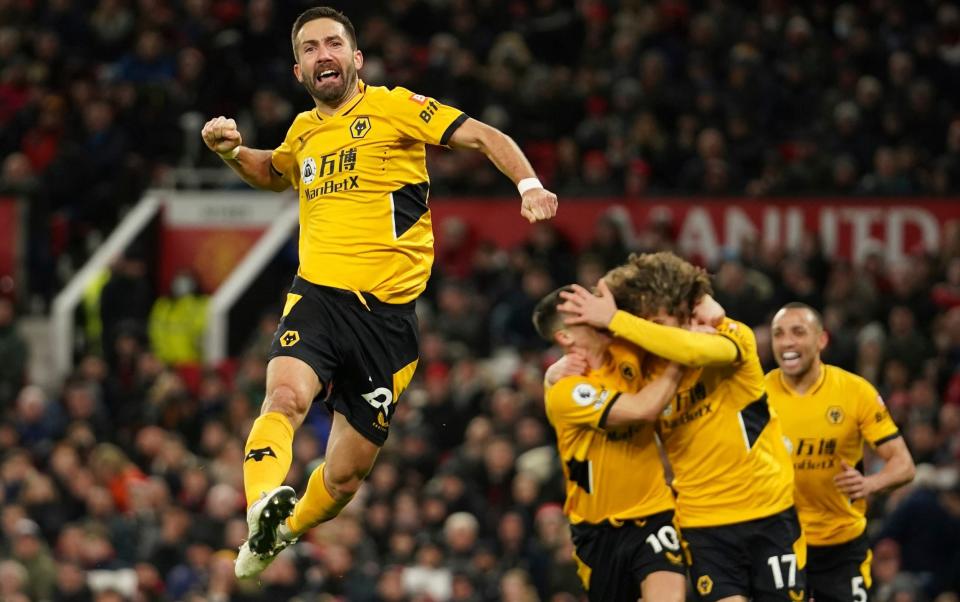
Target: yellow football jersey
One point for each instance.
(362, 179)
(724, 443)
(612, 474)
(829, 422)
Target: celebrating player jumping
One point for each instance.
(348, 330)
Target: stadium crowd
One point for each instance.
(99, 99)
(128, 480)
(125, 484)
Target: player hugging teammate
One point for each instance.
(703, 392)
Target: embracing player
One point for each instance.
(617, 500)
(732, 473)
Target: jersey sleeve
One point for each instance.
(873, 418)
(284, 163)
(580, 401)
(741, 336)
(672, 343)
(422, 118)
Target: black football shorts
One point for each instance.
(613, 561)
(840, 573)
(364, 352)
(762, 559)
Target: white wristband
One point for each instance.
(230, 154)
(528, 184)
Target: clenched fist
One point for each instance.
(221, 135)
(538, 204)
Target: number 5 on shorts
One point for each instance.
(775, 562)
(859, 592)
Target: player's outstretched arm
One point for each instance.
(646, 404)
(898, 470)
(537, 203)
(252, 165)
(675, 344)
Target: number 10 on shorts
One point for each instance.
(788, 560)
(666, 537)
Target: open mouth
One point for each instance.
(328, 75)
(790, 359)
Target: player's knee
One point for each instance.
(343, 482)
(289, 402)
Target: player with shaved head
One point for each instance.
(827, 413)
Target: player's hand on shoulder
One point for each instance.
(708, 311)
(221, 135)
(571, 364)
(538, 204)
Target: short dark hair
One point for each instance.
(322, 12)
(546, 318)
(817, 316)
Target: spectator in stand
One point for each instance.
(177, 322)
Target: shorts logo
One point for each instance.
(704, 585)
(259, 454)
(308, 170)
(290, 338)
(835, 415)
(675, 559)
(796, 595)
(380, 399)
(360, 127)
(420, 99)
(627, 371)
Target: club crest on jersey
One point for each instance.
(627, 371)
(290, 338)
(308, 170)
(584, 394)
(360, 127)
(835, 415)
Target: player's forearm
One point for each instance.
(254, 167)
(675, 344)
(502, 151)
(646, 404)
(897, 471)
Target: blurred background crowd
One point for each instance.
(102, 98)
(125, 483)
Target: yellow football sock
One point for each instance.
(316, 505)
(267, 455)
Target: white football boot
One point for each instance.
(268, 535)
